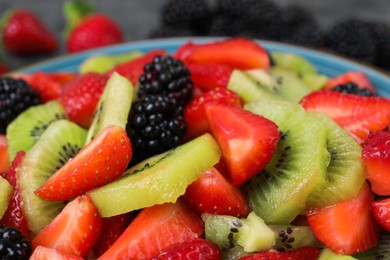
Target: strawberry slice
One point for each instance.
(212, 193)
(376, 158)
(5, 162)
(358, 115)
(238, 53)
(197, 248)
(74, 230)
(381, 210)
(154, 230)
(347, 227)
(133, 69)
(209, 76)
(305, 253)
(3, 68)
(357, 77)
(103, 160)
(248, 141)
(45, 253)
(81, 96)
(194, 112)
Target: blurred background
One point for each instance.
(303, 22)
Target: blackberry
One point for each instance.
(15, 97)
(381, 34)
(234, 8)
(13, 245)
(155, 125)
(166, 76)
(352, 88)
(297, 16)
(309, 34)
(167, 31)
(226, 25)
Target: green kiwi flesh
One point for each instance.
(113, 107)
(6, 191)
(293, 62)
(327, 254)
(103, 63)
(278, 194)
(60, 141)
(27, 128)
(291, 237)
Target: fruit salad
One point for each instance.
(221, 150)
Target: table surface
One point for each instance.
(137, 18)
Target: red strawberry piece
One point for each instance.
(357, 77)
(347, 227)
(197, 248)
(112, 228)
(13, 216)
(194, 112)
(238, 53)
(248, 141)
(47, 88)
(358, 115)
(381, 211)
(45, 253)
(24, 33)
(103, 160)
(3, 68)
(212, 193)
(376, 158)
(5, 162)
(305, 253)
(209, 76)
(74, 230)
(154, 230)
(81, 96)
(133, 69)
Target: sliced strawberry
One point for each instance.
(357, 77)
(103, 160)
(376, 158)
(3, 68)
(5, 162)
(112, 228)
(47, 88)
(81, 96)
(194, 112)
(358, 115)
(305, 253)
(74, 230)
(197, 248)
(154, 230)
(248, 141)
(209, 76)
(45, 253)
(347, 227)
(381, 211)
(238, 53)
(212, 193)
(133, 69)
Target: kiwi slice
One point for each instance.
(293, 62)
(113, 107)
(26, 129)
(292, 237)
(315, 81)
(159, 179)
(345, 172)
(327, 254)
(61, 141)
(6, 191)
(279, 192)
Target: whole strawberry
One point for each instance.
(23, 33)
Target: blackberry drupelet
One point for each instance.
(352, 88)
(13, 245)
(155, 125)
(15, 97)
(166, 76)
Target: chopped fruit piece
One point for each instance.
(195, 115)
(154, 230)
(306, 253)
(45, 253)
(81, 96)
(248, 141)
(222, 197)
(5, 162)
(103, 160)
(347, 227)
(74, 230)
(357, 77)
(6, 191)
(3, 68)
(197, 248)
(376, 158)
(209, 76)
(381, 211)
(352, 88)
(238, 53)
(13, 245)
(356, 114)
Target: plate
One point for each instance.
(325, 63)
